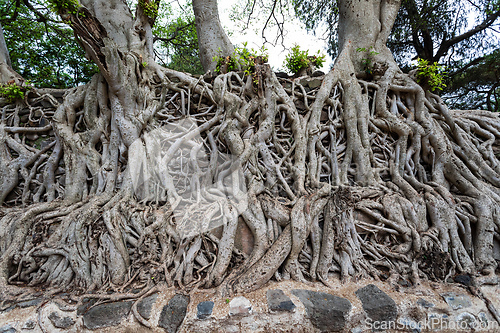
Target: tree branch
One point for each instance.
(445, 45)
(174, 35)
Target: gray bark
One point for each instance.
(7, 74)
(4, 52)
(393, 176)
(212, 39)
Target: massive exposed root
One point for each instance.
(353, 178)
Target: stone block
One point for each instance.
(204, 309)
(327, 312)
(106, 315)
(278, 301)
(377, 305)
(173, 313)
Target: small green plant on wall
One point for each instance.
(243, 59)
(298, 61)
(12, 92)
(367, 62)
(431, 75)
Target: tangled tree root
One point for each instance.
(347, 180)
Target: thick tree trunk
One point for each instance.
(366, 25)
(212, 39)
(4, 52)
(7, 74)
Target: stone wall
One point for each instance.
(278, 307)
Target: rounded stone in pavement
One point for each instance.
(326, 312)
(204, 309)
(464, 279)
(424, 303)
(240, 305)
(145, 305)
(457, 301)
(278, 301)
(61, 322)
(377, 305)
(173, 313)
(106, 315)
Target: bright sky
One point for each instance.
(295, 33)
